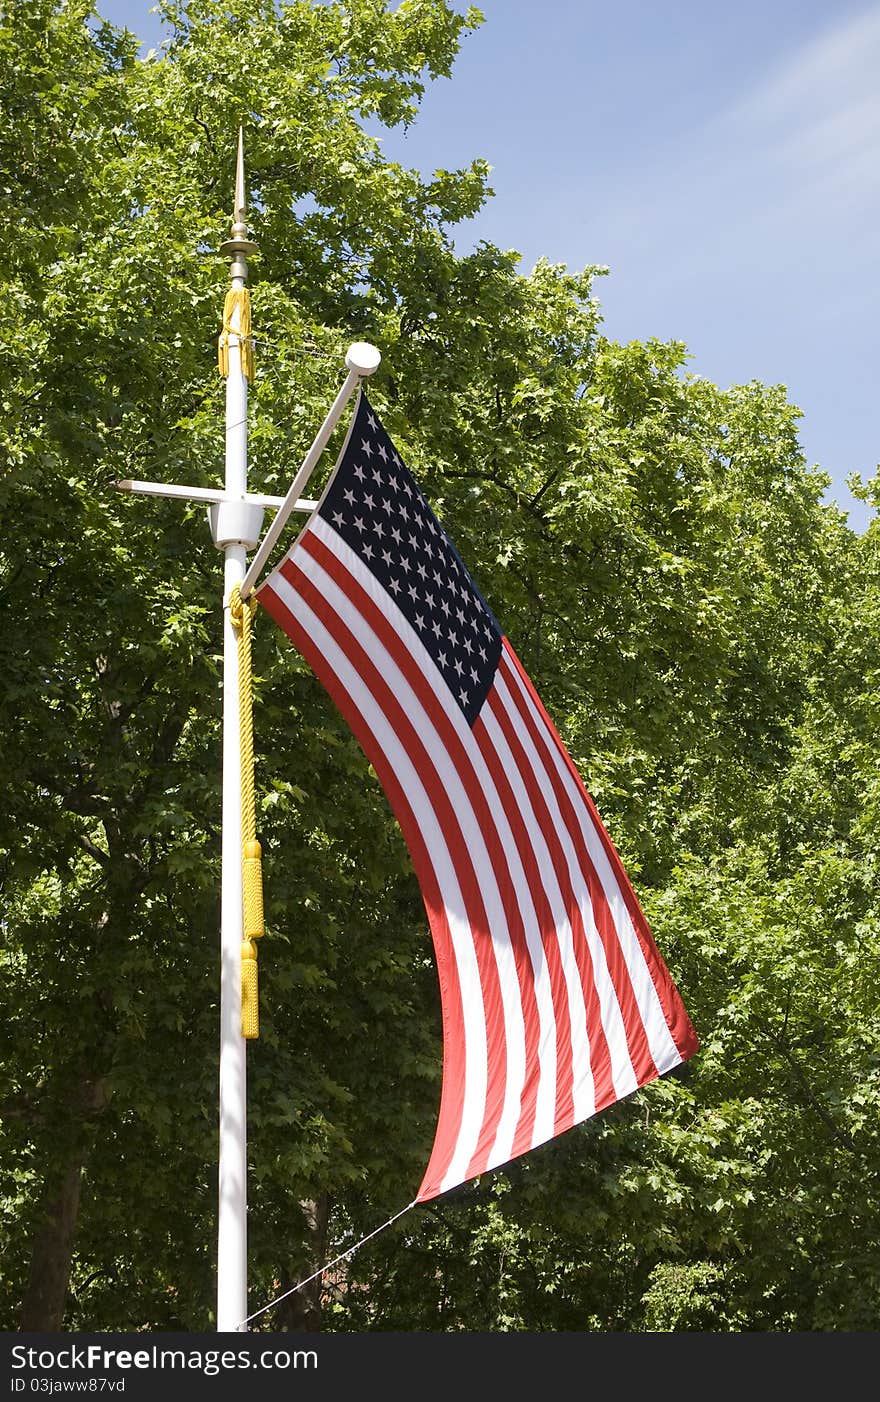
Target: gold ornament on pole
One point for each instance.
(251, 853)
(237, 307)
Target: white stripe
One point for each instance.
(465, 958)
(583, 1090)
(662, 1046)
(548, 1044)
(623, 1075)
(514, 1028)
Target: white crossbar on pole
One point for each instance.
(207, 494)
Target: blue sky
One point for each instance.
(722, 160)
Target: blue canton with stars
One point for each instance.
(374, 504)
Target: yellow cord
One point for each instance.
(237, 299)
(241, 612)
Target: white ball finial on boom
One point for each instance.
(362, 358)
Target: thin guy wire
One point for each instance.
(336, 1259)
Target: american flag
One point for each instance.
(555, 1000)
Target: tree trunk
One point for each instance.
(300, 1313)
(42, 1308)
(45, 1296)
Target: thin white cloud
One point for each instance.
(826, 67)
(817, 117)
(783, 178)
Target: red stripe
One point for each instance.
(677, 1020)
(600, 1057)
(564, 1103)
(446, 818)
(463, 765)
(636, 1037)
(454, 1049)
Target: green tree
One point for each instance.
(701, 626)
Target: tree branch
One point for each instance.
(813, 1101)
(88, 845)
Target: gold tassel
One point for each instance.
(250, 1002)
(252, 890)
(238, 299)
(251, 853)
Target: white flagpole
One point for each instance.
(236, 519)
(236, 526)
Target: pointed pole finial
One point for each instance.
(239, 243)
(239, 227)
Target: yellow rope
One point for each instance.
(237, 299)
(241, 612)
